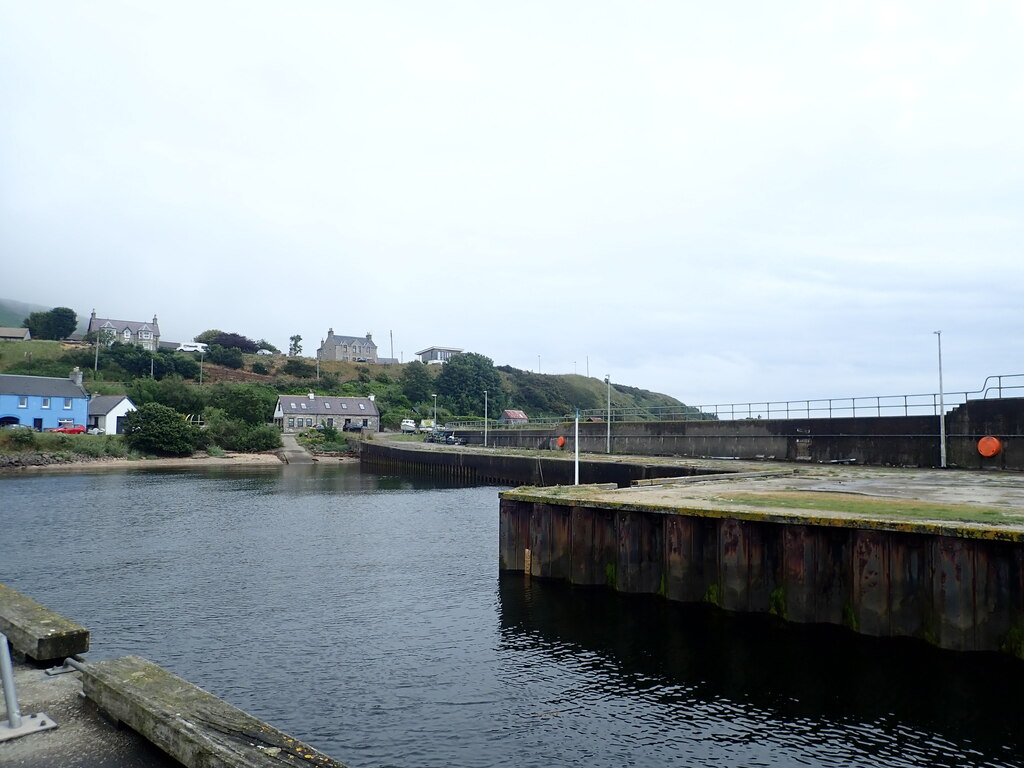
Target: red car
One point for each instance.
(69, 429)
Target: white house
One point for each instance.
(107, 411)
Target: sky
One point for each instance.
(723, 202)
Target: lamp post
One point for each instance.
(201, 356)
(608, 421)
(435, 410)
(485, 418)
(942, 409)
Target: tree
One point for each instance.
(295, 347)
(264, 344)
(228, 357)
(416, 382)
(157, 429)
(58, 323)
(207, 337)
(463, 380)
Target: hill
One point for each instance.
(13, 313)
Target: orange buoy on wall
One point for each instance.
(989, 446)
(561, 442)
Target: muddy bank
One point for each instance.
(56, 462)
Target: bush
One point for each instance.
(300, 369)
(260, 368)
(228, 357)
(157, 429)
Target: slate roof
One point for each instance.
(337, 338)
(14, 333)
(119, 325)
(301, 405)
(39, 386)
(509, 413)
(101, 405)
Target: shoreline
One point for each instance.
(112, 463)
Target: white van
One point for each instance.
(192, 346)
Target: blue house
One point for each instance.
(43, 402)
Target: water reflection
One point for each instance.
(896, 702)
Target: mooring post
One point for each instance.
(7, 675)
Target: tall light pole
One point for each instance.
(485, 418)
(608, 422)
(435, 411)
(942, 409)
(201, 356)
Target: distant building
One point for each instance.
(15, 334)
(43, 402)
(143, 334)
(437, 355)
(106, 412)
(513, 417)
(355, 349)
(295, 412)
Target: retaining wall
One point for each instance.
(957, 589)
(907, 441)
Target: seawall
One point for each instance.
(953, 584)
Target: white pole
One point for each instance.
(608, 424)
(485, 418)
(942, 409)
(576, 440)
(435, 411)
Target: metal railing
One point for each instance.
(925, 404)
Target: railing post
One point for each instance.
(10, 694)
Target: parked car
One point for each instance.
(69, 429)
(96, 431)
(264, 352)
(192, 347)
(352, 427)
(17, 426)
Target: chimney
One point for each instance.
(371, 397)
(76, 376)
(369, 336)
(311, 395)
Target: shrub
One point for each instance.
(157, 429)
(260, 368)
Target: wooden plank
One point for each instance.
(189, 724)
(38, 632)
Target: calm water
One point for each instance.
(366, 616)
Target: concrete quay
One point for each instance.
(929, 554)
(120, 712)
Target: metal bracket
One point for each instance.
(29, 724)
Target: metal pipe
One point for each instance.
(7, 675)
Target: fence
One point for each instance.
(994, 387)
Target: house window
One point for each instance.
(309, 422)
(362, 407)
(145, 335)
(303, 406)
(127, 333)
(67, 403)
(345, 406)
(327, 405)
(291, 421)
(46, 402)
(23, 402)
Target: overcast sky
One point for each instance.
(720, 201)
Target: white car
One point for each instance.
(197, 346)
(264, 352)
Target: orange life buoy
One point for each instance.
(989, 446)
(561, 442)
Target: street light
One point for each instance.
(201, 356)
(608, 423)
(485, 418)
(942, 409)
(435, 410)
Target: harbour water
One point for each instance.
(366, 616)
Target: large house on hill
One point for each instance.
(295, 412)
(356, 349)
(145, 335)
(43, 402)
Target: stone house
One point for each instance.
(145, 335)
(297, 412)
(356, 349)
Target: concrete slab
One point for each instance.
(83, 738)
(38, 632)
